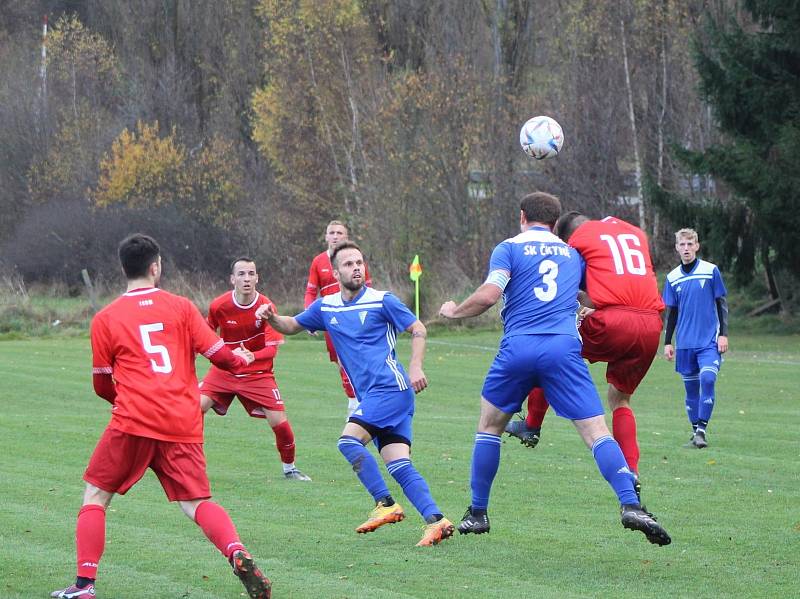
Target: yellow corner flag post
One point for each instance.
(414, 272)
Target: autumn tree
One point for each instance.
(142, 170)
(146, 170)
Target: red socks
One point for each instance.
(348, 387)
(218, 527)
(90, 539)
(624, 426)
(284, 441)
(537, 408)
(90, 534)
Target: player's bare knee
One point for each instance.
(492, 419)
(617, 399)
(274, 417)
(394, 450)
(190, 507)
(592, 429)
(95, 496)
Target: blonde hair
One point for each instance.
(337, 222)
(687, 234)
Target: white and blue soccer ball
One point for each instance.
(541, 137)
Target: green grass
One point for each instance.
(731, 509)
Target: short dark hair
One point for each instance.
(241, 259)
(567, 223)
(136, 253)
(347, 245)
(541, 207)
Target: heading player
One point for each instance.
(623, 328)
(143, 349)
(363, 324)
(322, 282)
(233, 314)
(695, 296)
(538, 276)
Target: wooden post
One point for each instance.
(90, 290)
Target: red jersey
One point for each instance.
(619, 270)
(147, 340)
(321, 280)
(237, 324)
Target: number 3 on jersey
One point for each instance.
(159, 350)
(549, 271)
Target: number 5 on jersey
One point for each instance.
(159, 350)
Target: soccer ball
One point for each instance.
(541, 137)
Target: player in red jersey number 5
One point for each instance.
(143, 350)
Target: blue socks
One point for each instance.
(606, 452)
(414, 487)
(485, 462)
(614, 469)
(700, 395)
(364, 465)
(366, 468)
(692, 385)
(708, 379)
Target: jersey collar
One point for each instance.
(140, 291)
(356, 298)
(692, 264)
(238, 305)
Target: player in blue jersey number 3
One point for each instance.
(363, 324)
(538, 276)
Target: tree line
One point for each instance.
(244, 126)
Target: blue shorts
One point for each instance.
(689, 362)
(386, 414)
(552, 362)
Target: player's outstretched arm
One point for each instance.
(483, 298)
(286, 325)
(417, 377)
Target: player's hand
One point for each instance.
(722, 344)
(669, 352)
(448, 309)
(584, 311)
(245, 353)
(418, 379)
(265, 312)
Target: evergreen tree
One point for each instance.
(750, 76)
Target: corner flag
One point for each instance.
(415, 272)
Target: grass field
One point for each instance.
(733, 510)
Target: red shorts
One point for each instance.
(331, 350)
(257, 392)
(120, 460)
(626, 338)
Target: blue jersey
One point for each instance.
(695, 294)
(364, 333)
(541, 294)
